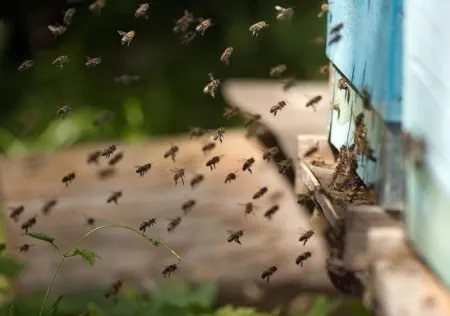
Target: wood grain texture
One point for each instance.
(370, 51)
(200, 238)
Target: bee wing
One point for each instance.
(121, 33)
(279, 8)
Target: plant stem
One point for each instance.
(63, 258)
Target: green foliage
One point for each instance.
(10, 267)
(87, 255)
(324, 306)
(42, 236)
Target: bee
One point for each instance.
(248, 164)
(336, 108)
(147, 224)
(277, 107)
(196, 132)
(324, 8)
(278, 70)
(90, 221)
(172, 152)
(115, 159)
(188, 37)
(335, 39)
(57, 30)
(203, 26)
(319, 40)
(260, 193)
(208, 147)
(266, 274)
(235, 235)
(94, 61)
(342, 84)
(68, 16)
(270, 153)
(126, 37)
(178, 174)
(211, 163)
(25, 247)
(113, 289)
(231, 177)
(257, 27)
(226, 55)
(127, 79)
(97, 6)
(16, 212)
(169, 270)
(414, 149)
(25, 65)
(47, 207)
(318, 162)
(183, 23)
(283, 166)
(212, 86)
(249, 208)
(142, 10)
(102, 118)
(337, 28)
(289, 84)
(60, 61)
(303, 257)
(28, 224)
(108, 151)
(63, 111)
(306, 236)
(197, 180)
(220, 132)
(271, 211)
(284, 14)
(142, 170)
(313, 101)
(324, 70)
(68, 178)
(93, 157)
(114, 197)
(230, 111)
(252, 119)
(187, 206)
(311, 150)
(366, 99)
(173, 224)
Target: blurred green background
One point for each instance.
(169, 97)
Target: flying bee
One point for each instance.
(105, 173)
(25, 65)
(172, 152)
(226, 55)
(142, 170)
(311, 150)
(260, 193)
(142, 10)
(169, 270)
(230, 111)
(68, 178)
(90, 221)
(271, 211)
(306, 236)
(277, 107)
(68, 16)
(414, 148)
(270, 153)
(257, 27)
(251, 119)
(366, 98)
(178, 174)
(25, 247)
(248, 163)
(319, 40)
(284, 14)
(63, 111)
(188, 37)
(126, 37)
(342, 84)
(92, 61)
(47, 207)
(197, 180)
(324, 70)
(266, 274)
(16, 212)
(231, 177)
(60, 61)
(203, 26)
(114, 197)
(336, 108)
(303, 257)
(212, 86)
(284, 165)
(313, 101)
(108, 151)
(219, 134)
(187, 206)
(183, 23)
(324, 8)
(93, 157)
(28, 224)
(173, 224)
(335, 39)
(249, 208)
(196, 132)
(147, 224)
(57, 30)
(115, 159)
(211, 163)
(113, 289)
(337, 28)
(289, 84)
(278, 70)
(97, 6)
(235, 235)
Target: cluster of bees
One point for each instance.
(188, 28)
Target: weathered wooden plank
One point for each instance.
(200, 238)
(369, 53)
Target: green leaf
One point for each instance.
(205, 295)
(323, 306)
(42, 236)
(155, 242)
(10, 267)
(357, 307)
(55, 305)
(94, 310)
(88, 255)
